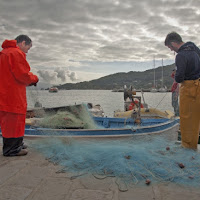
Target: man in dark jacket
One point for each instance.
(188, 73)
(15, 75)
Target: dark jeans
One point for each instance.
(12, 146)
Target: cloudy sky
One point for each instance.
(78, 40)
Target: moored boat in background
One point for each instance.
(53, 89)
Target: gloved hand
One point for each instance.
(35, 84)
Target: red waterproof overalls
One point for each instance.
(15, 75)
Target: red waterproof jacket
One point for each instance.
(15, 75)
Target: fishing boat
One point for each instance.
(105, 127)
(53, 89)
(86, 126)
(153, 90)
(162, 89)
(95, 127)
(110, 128)
(133, 106)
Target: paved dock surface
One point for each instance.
(32, 177)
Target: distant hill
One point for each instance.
(139, 80)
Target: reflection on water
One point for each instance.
(110, 101)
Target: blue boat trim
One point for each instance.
(108, 132)
(111, 127)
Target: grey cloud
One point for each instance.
(72, 75)
(184, 16)
(93, 30)
(50, 76)
(47, 76)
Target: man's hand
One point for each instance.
(35, 84)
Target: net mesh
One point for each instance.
(76, 116)
(134, 161)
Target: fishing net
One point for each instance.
(76, 116)
(142, 160)
(137, 160)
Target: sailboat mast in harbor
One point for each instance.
(162, 75)
(154, 78)
(162, 89)
(154, 73)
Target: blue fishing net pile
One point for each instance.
(133, 161)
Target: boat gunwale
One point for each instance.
(103, 129)
(101, 136)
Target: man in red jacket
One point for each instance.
(15, 75)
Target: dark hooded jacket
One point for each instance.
(15, 75)
(187, 62)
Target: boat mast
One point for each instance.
(162, 74)
(154, 72)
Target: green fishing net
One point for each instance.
(76, 116)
